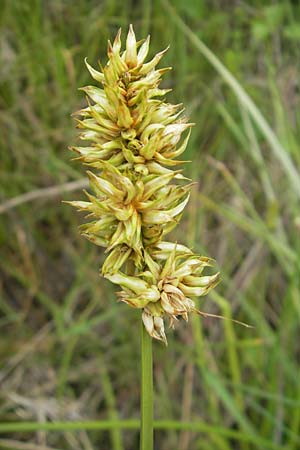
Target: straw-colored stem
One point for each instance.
(146, 440)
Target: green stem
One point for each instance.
(146, 442)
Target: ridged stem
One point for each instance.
(146, 439)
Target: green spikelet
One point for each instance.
(134, 139)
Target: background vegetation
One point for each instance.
(68, 351)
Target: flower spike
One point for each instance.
(135, 138)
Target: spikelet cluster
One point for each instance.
(134, 139)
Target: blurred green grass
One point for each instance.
(68, 351)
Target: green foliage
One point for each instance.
(68, 351)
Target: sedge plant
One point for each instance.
(138, 196)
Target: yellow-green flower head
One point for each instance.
(131, 210)
(133, 141)
(127, 124)
(172, 277)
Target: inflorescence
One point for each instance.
(134, 141)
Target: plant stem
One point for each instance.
(146, 440)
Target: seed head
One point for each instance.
(134, 139)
